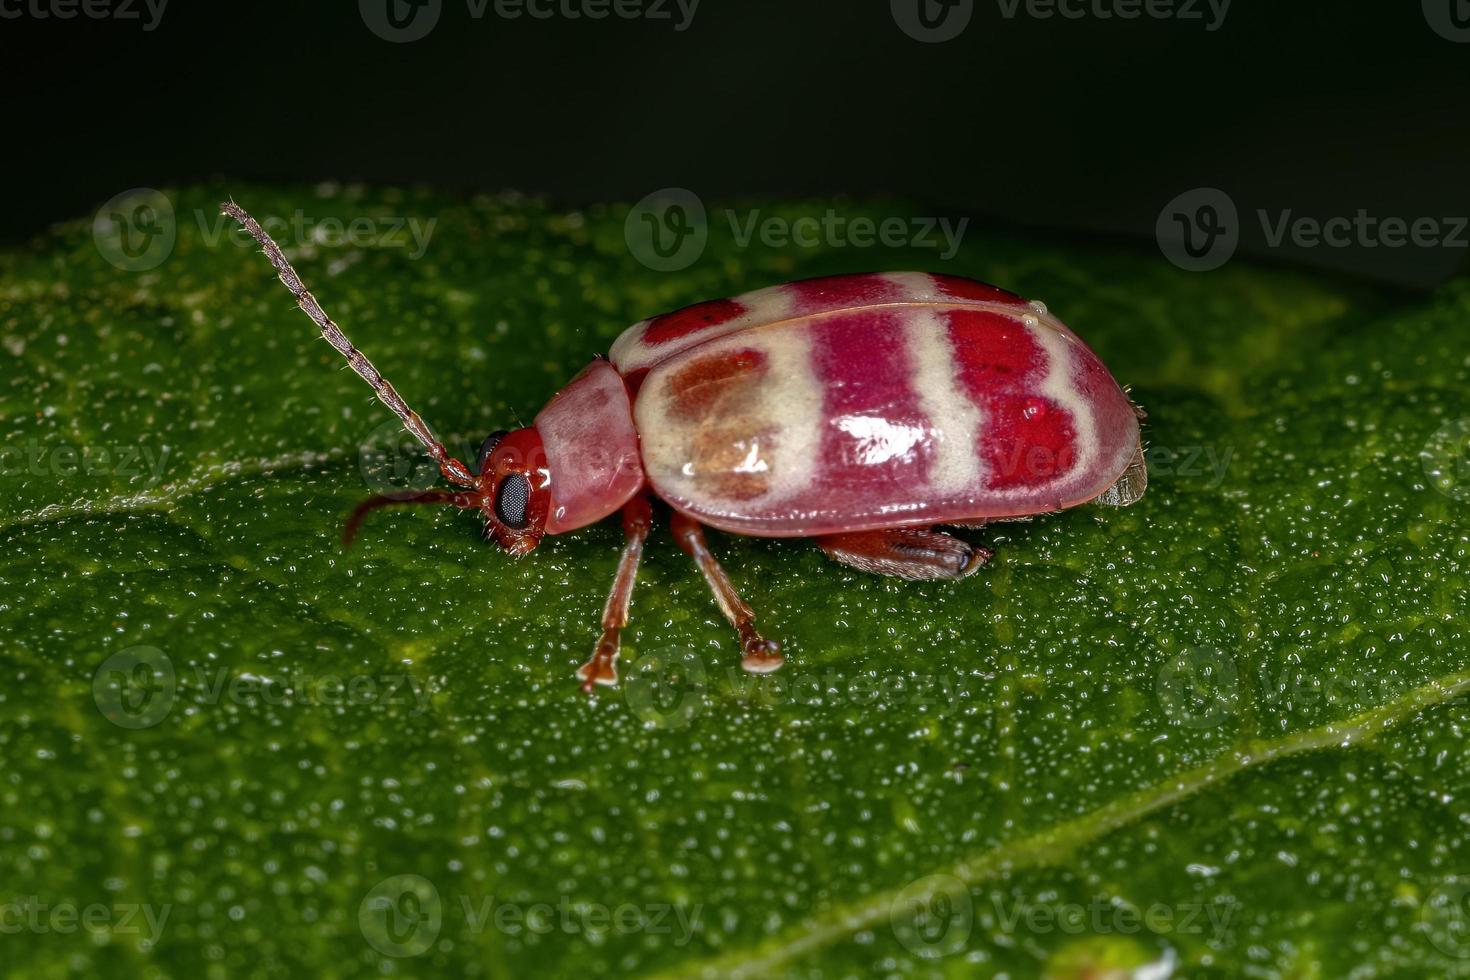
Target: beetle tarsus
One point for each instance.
(761, 656)
(917, 554)
(978, 560)
(603, 667)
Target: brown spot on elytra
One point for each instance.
(711, 384)
(717, 398)
(730, 462)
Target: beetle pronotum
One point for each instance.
(864, 411)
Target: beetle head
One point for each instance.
(514, 488)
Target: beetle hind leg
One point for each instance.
(1129, 487)
(918, 554)
(759, 655)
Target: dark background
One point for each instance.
(1085, 125)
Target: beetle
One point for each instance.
(864, 411)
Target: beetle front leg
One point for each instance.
(759, 655)
(603, 667)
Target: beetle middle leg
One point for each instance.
(603, 667)
(760, 655)
(913, 553)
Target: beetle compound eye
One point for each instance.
(511, 498)
(487, 447)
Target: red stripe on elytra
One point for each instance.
(961, 288)
(1026, 438)
(875, 431)
(691, 319)
(819, 295)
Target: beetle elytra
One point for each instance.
(864, 411)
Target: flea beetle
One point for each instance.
(863, 411)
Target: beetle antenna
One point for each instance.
(466, 501)
(454, 471)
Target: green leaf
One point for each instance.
(1219, 732)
